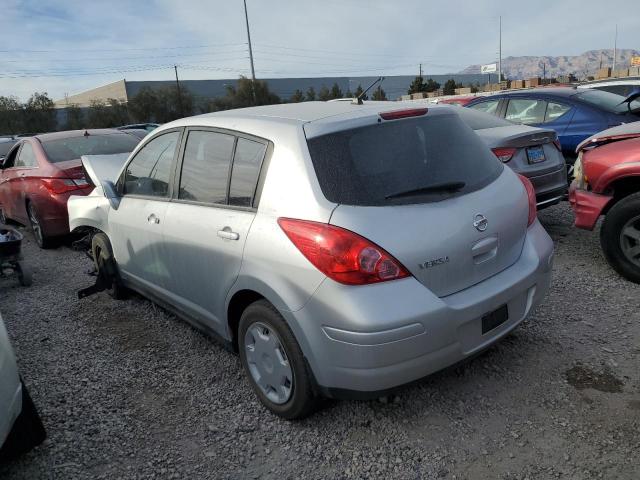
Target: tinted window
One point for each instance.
(246, 169)
(63, 149)
(490, 106)
(480, 120)
(555, 111)
(624, 90)
(205, 168)
(150, 170)
(26, 157)
(526, 110)
(365, 166)
(5, 146)
(606, 100)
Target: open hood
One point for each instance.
(103, 168)
(620, 132)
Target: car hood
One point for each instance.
(103, 168)
(619, 132)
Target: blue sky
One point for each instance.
(67, 46)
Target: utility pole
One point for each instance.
(175, 67)
(615, 49)
(500, 52)
(544, 72)
(253, 72)
(420, 71)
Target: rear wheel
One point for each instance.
(3, 218)
(274, 363)
(106, 266)
(620, 237)
(36, 225)
(27, 432)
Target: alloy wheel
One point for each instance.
(630, 240)
(35, 225)
(268, 363)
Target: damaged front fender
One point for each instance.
(90, 211)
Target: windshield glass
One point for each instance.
(608, 101)
(63, 149)
(370, 166)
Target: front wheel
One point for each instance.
(273, 362)
(620, 237)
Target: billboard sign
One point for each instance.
(491, 68)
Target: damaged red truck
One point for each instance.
(607, 182)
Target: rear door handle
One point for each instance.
(228, 234)
(153, 219)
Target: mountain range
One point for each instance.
(580, 65)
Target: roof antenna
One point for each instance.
(358, 100)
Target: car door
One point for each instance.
(26, 167)
(135, 227)
(209, 218)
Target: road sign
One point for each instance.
(491, 68)
(635, 61)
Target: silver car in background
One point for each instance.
(343, 250)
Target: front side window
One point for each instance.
(526, 110)
(490, 106)
(205, 167)
(246, 169)
(555, 111)
(150, 170)
(26, 157)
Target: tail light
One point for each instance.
(531, 193)
(504, 154)
(340, 254)
(398, 114)
(63, 185)
(558, 145)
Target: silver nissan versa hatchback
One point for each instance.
(342, 249)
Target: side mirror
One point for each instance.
(630, 98)
(111, 192)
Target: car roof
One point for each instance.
(77, 133)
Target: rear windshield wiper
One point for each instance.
(436, 187)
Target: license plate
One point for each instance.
(535, 154)
(495, 319)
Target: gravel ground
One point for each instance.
(126, 390)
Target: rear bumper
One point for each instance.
(551, 187)
(365, 340)
(53, 213)
(587, 206)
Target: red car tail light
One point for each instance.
(340, 254)
(398, 114)
(558, 145)
(63, 185)
(504, 154)
(531, 193)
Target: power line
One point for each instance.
(183, 47)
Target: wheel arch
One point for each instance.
(621, 188)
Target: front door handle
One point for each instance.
(153, 219)
(228, 234)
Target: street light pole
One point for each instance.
(615, 50)
(500, 51)
(175, 67)
(253, 72)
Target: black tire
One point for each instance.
(39, 234)
(27, 432)
(3, 218)
(25, 275)
(106, 265)
(302, 401)
(611, 237)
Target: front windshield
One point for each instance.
(611, 102)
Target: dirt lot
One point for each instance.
(126, 390)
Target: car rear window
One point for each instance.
(63, 149)
(367, 165)
(608, 101)
(479, 120)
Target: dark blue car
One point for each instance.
(574, 114)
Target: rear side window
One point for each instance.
(150, 170)
(376, 164)
(26, 157)
(526, 110)
(71, 148)
(478, 120)
(246, 169)
(205, 168)
(490, 106)
(555, 111)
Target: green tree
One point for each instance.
(11, 115)
(160, 105)
(75, 117)
(348, 94)
(143, 104)
(449, 87)
(245, 93)
(336, 92)
(360, 91)
(417, 86)
(431, 85)
(311, 94)
(297, 96)
(379, 94)
(324, 94)
(39, 114)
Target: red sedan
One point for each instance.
(607, 182)
(40, 173)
